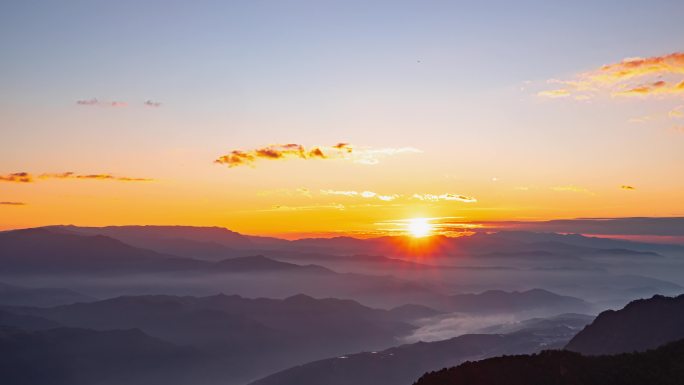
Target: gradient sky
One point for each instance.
(459, 90)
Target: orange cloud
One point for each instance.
(19, 177)
(634, 67)
(657, 75)
(72, 175)
(659, 87)
(343, 147)
(237, 158)
(24, 177)
(627, 187)
(273, 152)
(12, 204)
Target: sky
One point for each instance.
(297, 118)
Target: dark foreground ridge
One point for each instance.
(662, 366)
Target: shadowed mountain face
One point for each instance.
(641, 325)
(662, 366)
(68, 356)
(403, 364)
(245, 337)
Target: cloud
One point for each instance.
(676, 113)
(333, 206)
(659, 87)
(12, 203)
(237, 158)
(627, 187)
(18, 177)
(151, 103)
(444, 197)
(24, 177)
(343, 147)
(100, 103)
(636, 67)
(343, 193)
(72, 175)
(301, 191)
(362, 194)
(657, 75)
(572, 188)
(559, 93)
(388, 198)
(392, 197)
(372, 156)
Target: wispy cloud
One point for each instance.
(657, 75)
(101, 103)
(572, 188)
(627, 187)
(152, 103)
(72, 175)
(301, 191)
(17, 177)
(392, 197)
(362, 194)
(676, 113)
(24, 177)
(333, 206)
(6, 203)
(237, 158)
(444, 197)
(659, 87)
(557, 93)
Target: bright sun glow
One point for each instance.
(419, 227)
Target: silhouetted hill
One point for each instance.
(40, 250)
(41, 297)
(498, 301)
(155, 236)
(403, 364)
(215, 243)
(641, 325)
(46, 251)
(662, 366)
(68, 356)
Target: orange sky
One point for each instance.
(332, 133)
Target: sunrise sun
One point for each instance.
(419, 227)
